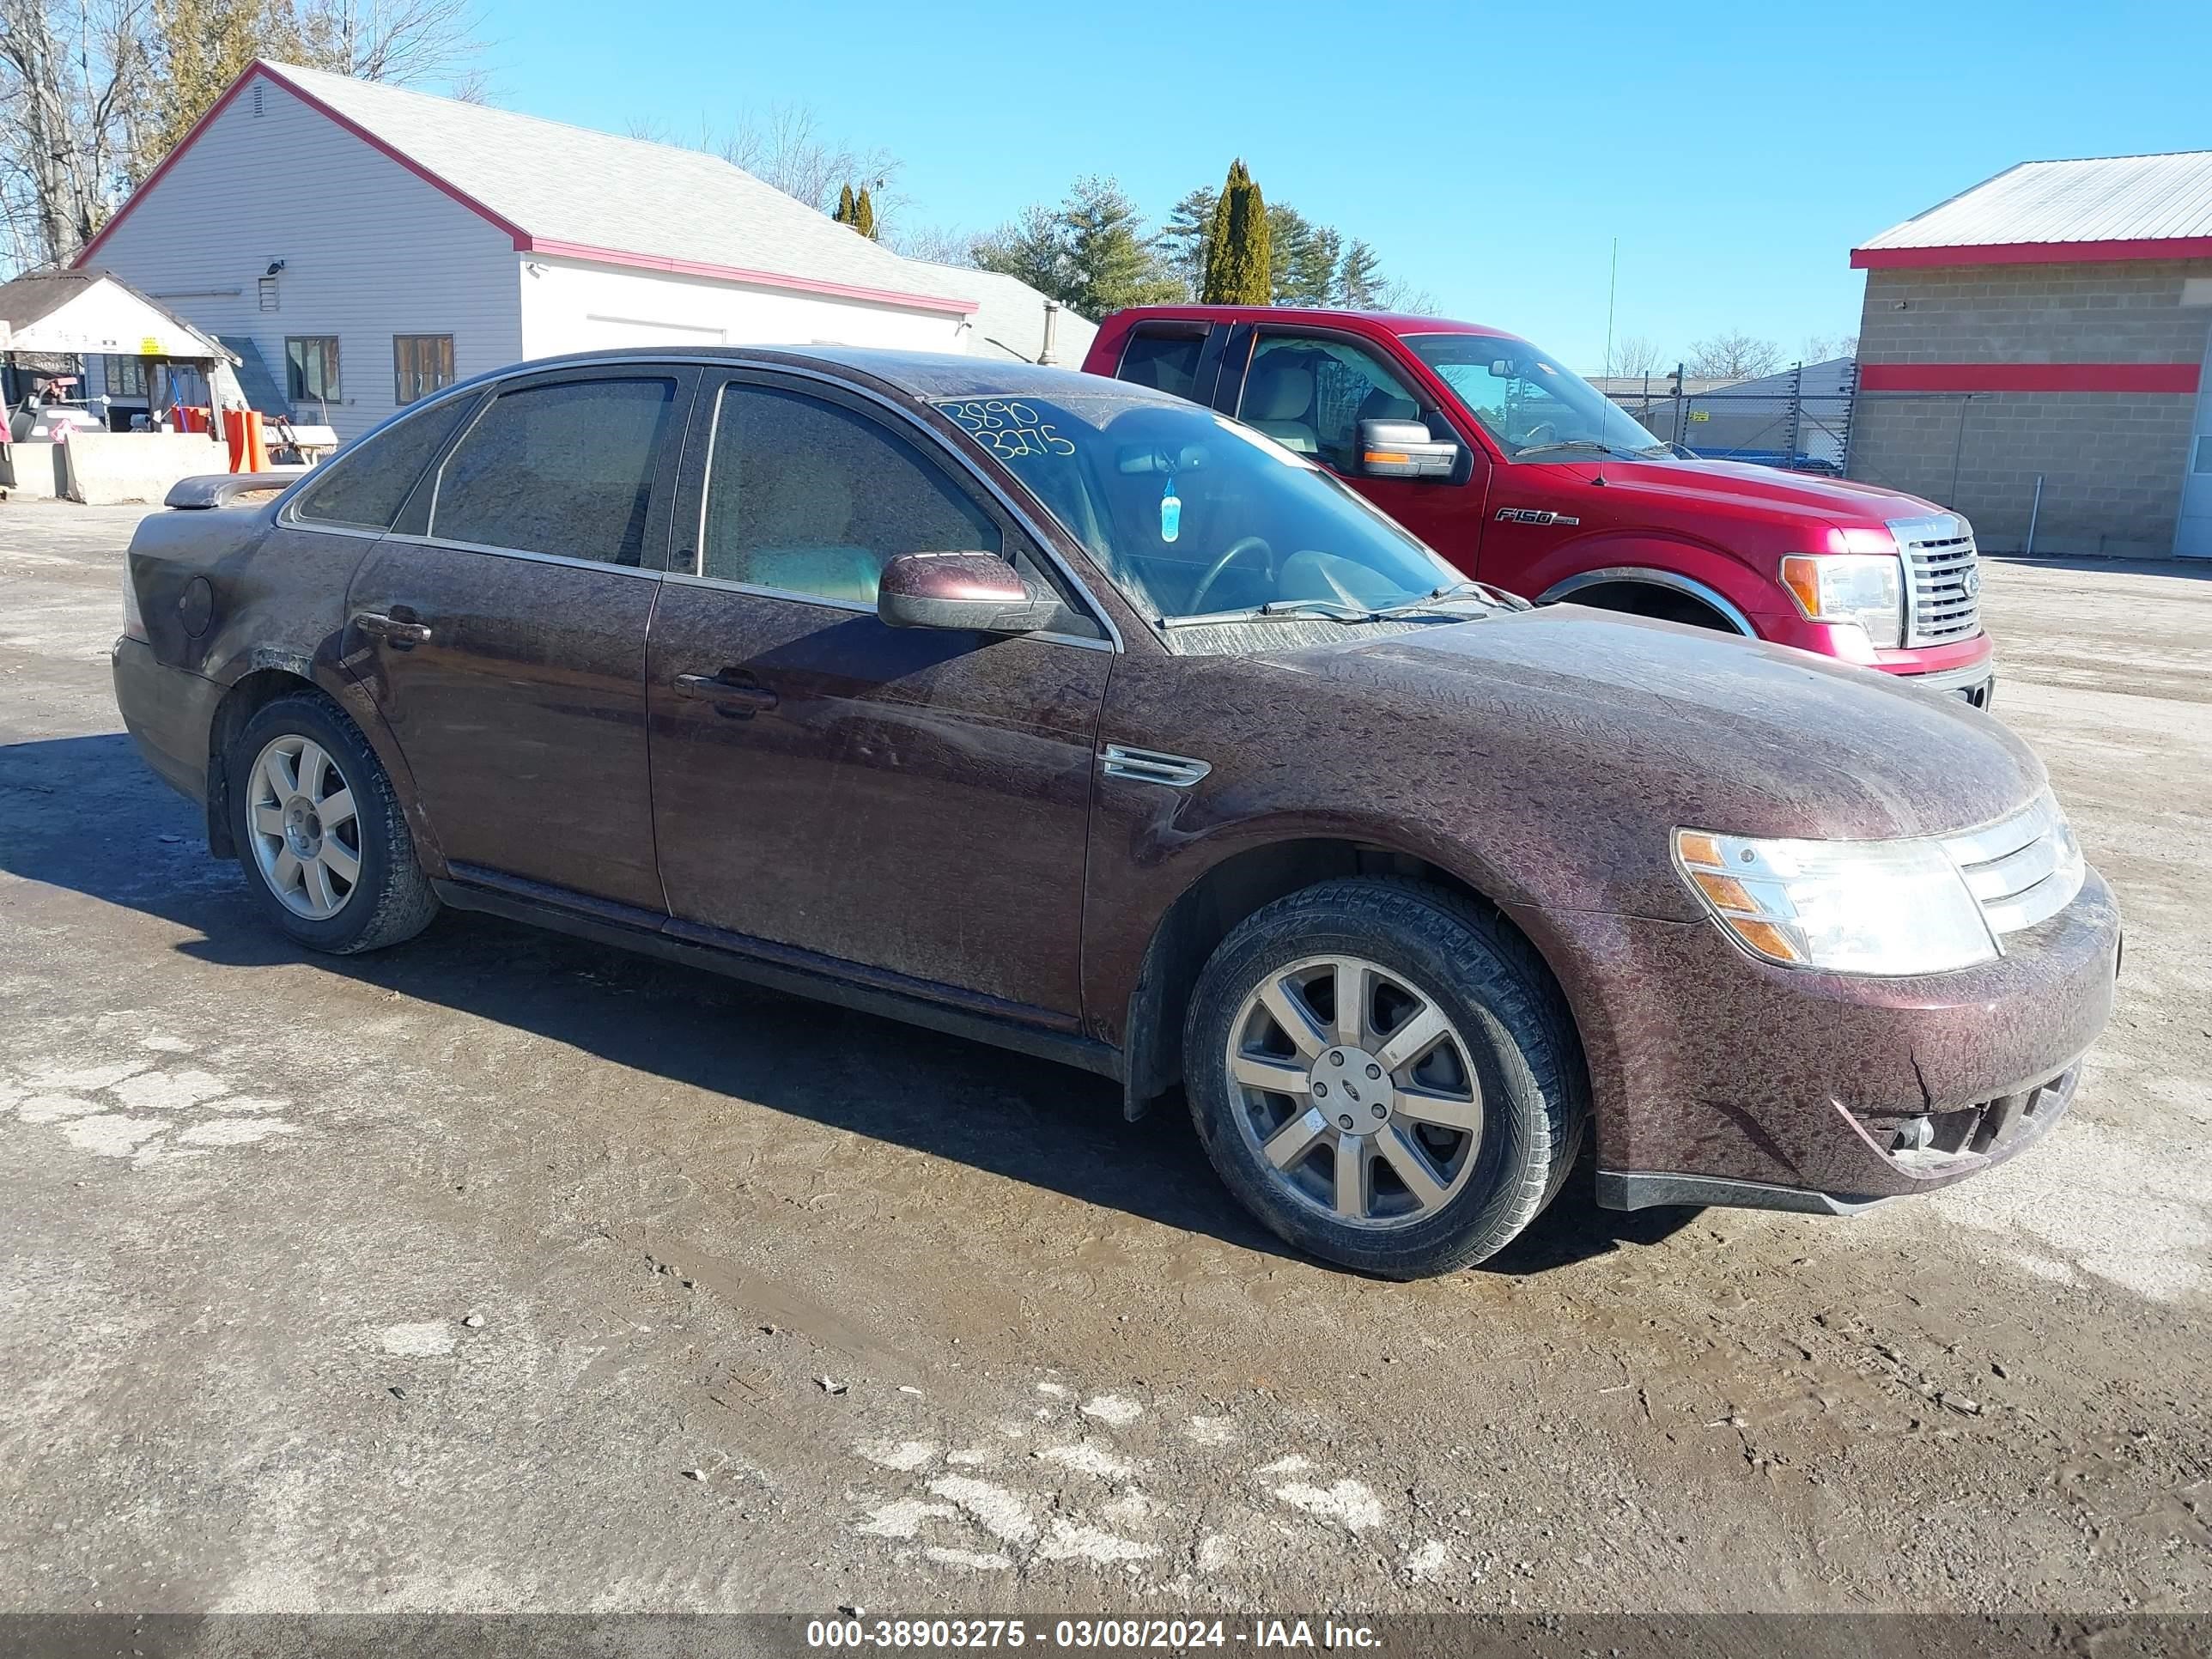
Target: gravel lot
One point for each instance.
(499, 1272)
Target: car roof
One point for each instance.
(926, 376)
(1390, 322)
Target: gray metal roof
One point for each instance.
(557, 185)
(2113, 198)
(1009, 320)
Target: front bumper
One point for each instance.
(1719, 1080)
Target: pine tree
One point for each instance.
(1113, 263)
(844, 214)
(1237, 267)
(864, 214)
(1359, 279)
(1187, 235)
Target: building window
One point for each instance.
(311, 368)
(127, 377)
(421, 364)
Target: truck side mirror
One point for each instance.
(1404, 449)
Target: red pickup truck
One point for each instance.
(1526, 478)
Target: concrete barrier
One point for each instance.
(33, 471)
(103, 469)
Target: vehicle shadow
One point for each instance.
(67, 806)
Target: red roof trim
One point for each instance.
(316, 104)
(2033, 253)
(523, 240)
(2181, 378)
(608, 256)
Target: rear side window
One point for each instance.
(1167, 359)
(565, 469)
(366, 486)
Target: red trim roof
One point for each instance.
(524, 242)
(2033, 253)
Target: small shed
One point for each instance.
(92, 314)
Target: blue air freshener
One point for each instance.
(1170, 513)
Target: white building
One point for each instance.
(360, 245)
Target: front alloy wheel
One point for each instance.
(305, 827)
(1353, 1086)
(1384, 1072)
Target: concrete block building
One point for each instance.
(2054, 322)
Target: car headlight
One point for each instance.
(1863, 587)
(1847, 906)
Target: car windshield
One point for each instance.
(1527, 401)
(1194, 515)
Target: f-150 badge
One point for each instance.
(1533, 515)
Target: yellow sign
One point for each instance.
(150, 347)
(1701, 415)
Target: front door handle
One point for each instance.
(732, 691)
(399, 632)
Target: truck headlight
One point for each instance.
(1864, 588)
(1848, 907)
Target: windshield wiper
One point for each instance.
(1328, 610)
(1585, 444)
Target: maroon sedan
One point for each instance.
(1061, 712)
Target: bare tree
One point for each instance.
(69, 69)
(1825, 348)
(400, 40)
(1635, 355)
(1397, 294)
(784, 146)
(939, 243)
(1734, 356)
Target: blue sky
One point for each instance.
(1490, 153)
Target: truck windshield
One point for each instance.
(1194, 515)
(1527, 401)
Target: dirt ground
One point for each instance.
(499, 1272)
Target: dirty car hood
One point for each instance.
(1617, 718)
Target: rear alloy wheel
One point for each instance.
(305, 827)
(1383, 1073)
(323, 836)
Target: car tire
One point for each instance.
(320, 831)
(1456, 1147)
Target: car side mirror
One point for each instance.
(1404, 449)
(970, 592)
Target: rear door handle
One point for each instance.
(396, 631)
(732, 691)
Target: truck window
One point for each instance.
(1164, 357)
(1310, 393)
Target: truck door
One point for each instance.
(1309, 388)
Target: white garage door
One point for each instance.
(2192, 537)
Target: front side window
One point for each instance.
(1192, 514)
(566, 469)
(365, 485)
(1310, 393)
(1534, 409)
(807, 497)
(421, 364)
(311, 369)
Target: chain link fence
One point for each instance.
(1800, 420)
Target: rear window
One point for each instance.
(564, 469)
(1163, 358)
(364, 487)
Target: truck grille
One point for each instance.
(1942, 578)
(2021, 870)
